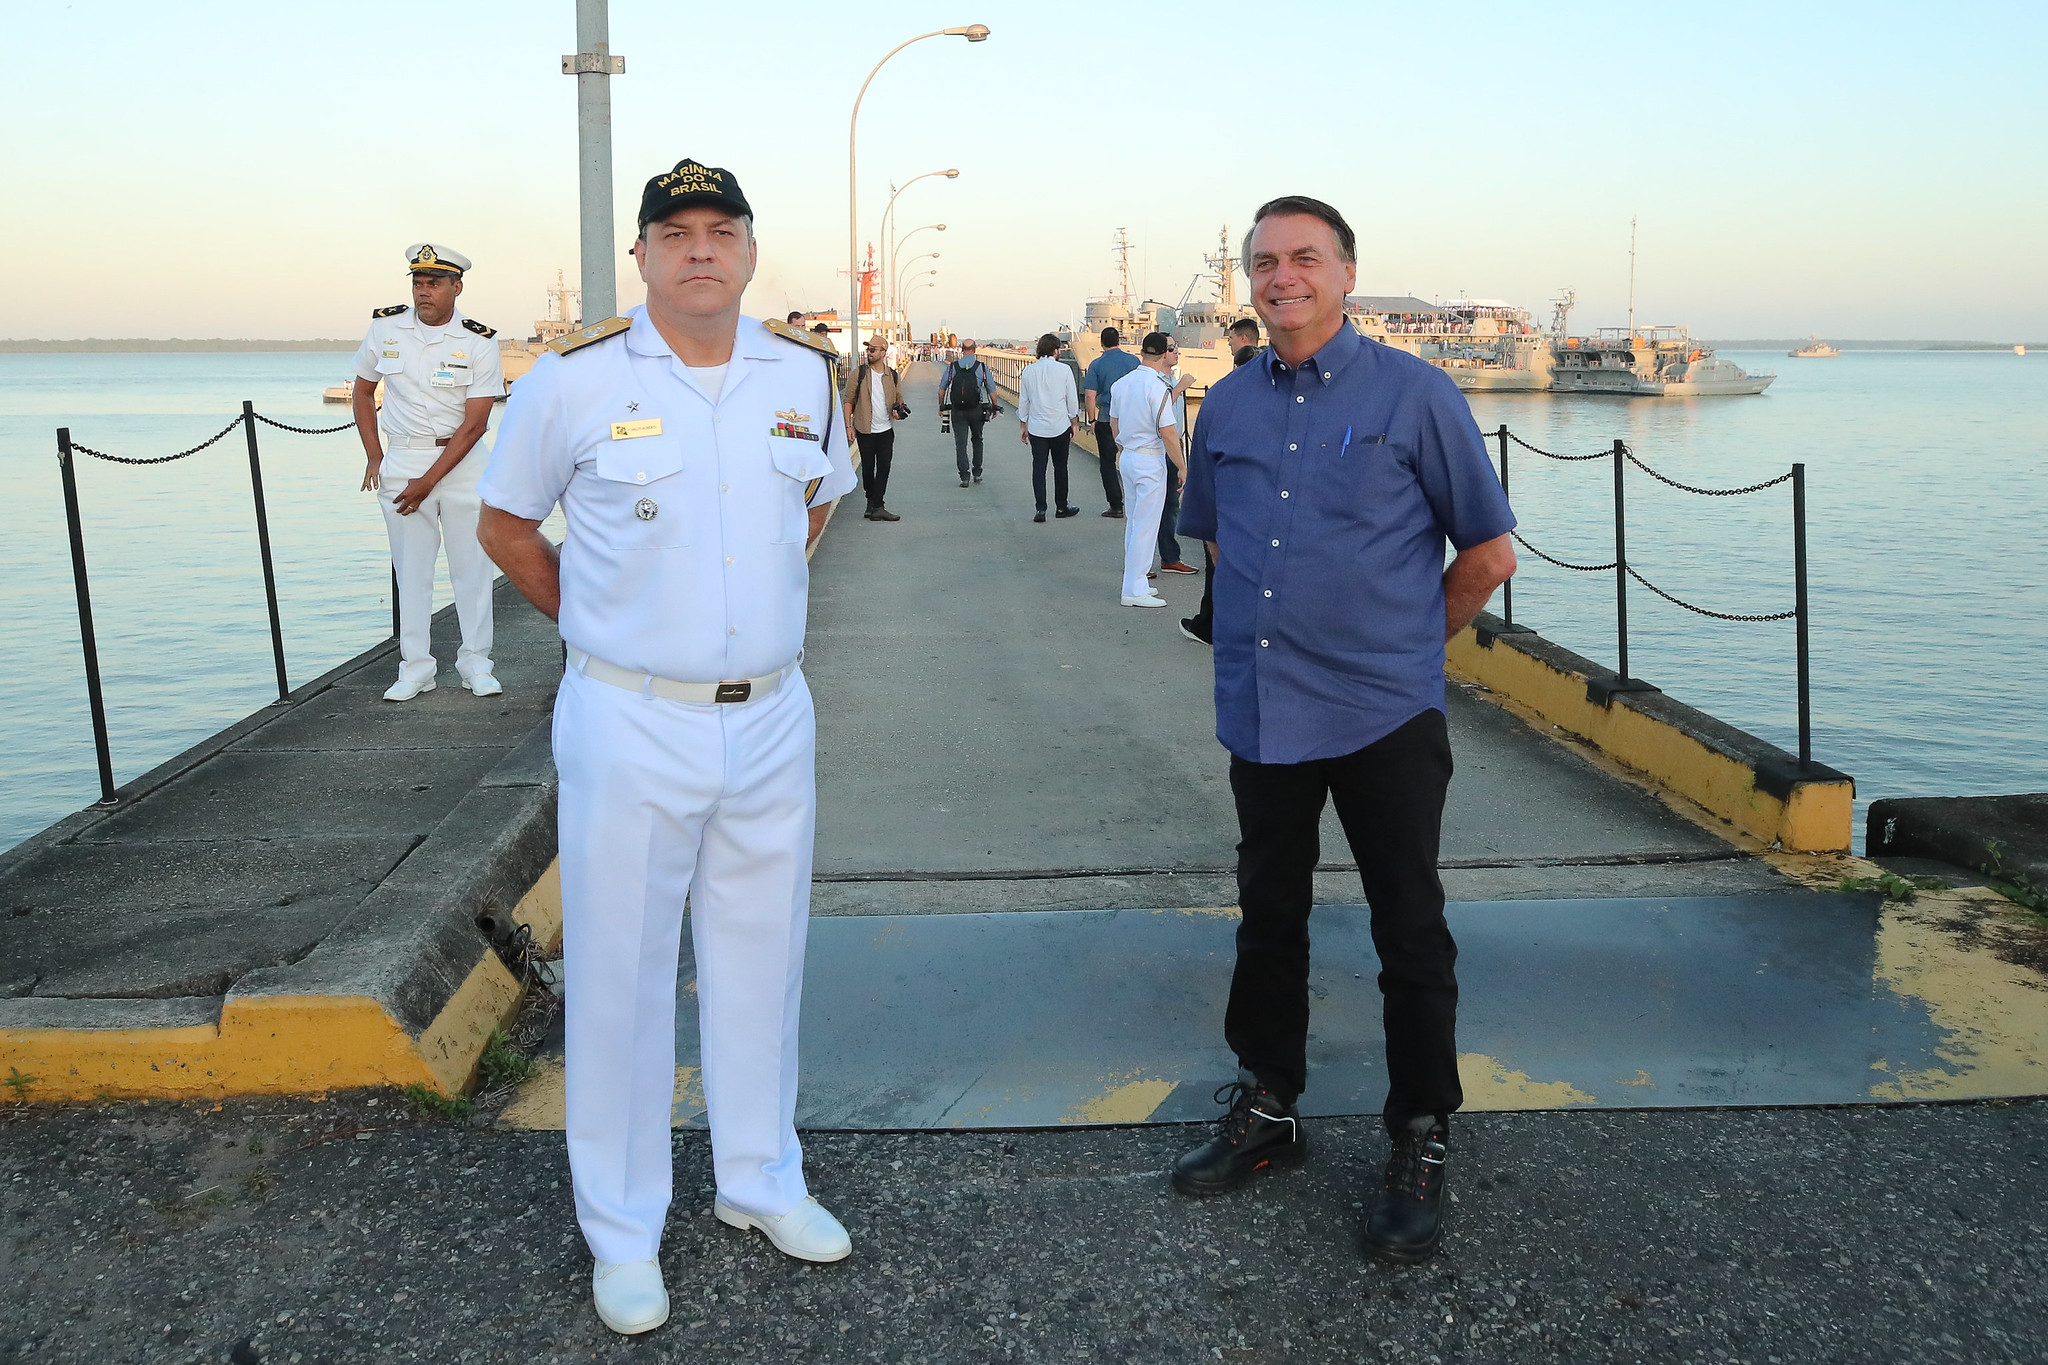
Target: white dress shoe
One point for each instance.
(806, 1232)
(1148, 600)
(630, 1296)
(405, 689)
(484, 685)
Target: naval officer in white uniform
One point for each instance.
(693, 452)
(441, 374)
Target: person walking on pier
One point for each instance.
(694, 453)
(1145, 435)
(873, 400)
(1328, 474)
(1048, 417)
(1170, 560)
(967, 389)
(1103, 372)
(1244, 344)
(441, 374)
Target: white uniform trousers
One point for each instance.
(1144, 476)
(448, 514)
(660, 798)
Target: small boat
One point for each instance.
(2019, 350)
(1814, 349)
(344, 393)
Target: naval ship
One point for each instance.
(1485, 345)
(1652, 362)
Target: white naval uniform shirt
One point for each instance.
(1139, 402)
(427, 380)
(684, 556)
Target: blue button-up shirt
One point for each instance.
(1103, 372)
(1330, 490)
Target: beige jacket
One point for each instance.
(855, 395)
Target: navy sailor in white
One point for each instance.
(693, 452)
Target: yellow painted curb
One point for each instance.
(1816, 817)
(286, 1044)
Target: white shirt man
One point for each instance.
(1048, 413)
(425, 454)
(1147, 431)
(693, 452)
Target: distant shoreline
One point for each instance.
(143, 344)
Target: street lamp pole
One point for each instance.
(913, 261)
(889, 218)
(895, 247)
(973, 33)
(593, 66)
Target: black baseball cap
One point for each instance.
(690, 184)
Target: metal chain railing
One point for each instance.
(303, 431)
(1622, 456)
(1679, 602)
(66, 449)
(1562, 564)
(1706, 492)
(160, 459)
(1551, 454)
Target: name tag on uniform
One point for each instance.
(391, 355)
(626, 431)
(445, 379)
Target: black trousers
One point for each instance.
(1105, 457)
(1055, 449)
(877, 449)
(967, 423)
(1205, 615)
(1390, 799)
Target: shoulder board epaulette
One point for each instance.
(822, 345)
(393, 311)
(597, 331)
(473, 325)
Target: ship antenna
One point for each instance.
(1631, 277)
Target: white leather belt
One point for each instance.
(420, 442)
(647, 685)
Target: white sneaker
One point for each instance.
(629, 1295)
(405, 689)
(484, 685)
(1148, 600)
(806, 1232)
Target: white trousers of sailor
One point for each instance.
(1144, 476)
(448, 515)
(658, 799)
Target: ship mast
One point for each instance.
(1123, 268)
(1226, 273)
(1561, 312)
(1631, 277)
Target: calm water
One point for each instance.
(1929, 584)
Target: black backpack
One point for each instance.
(966, 388)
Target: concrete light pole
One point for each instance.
(593, 66)
(889, 218)
(973, 33)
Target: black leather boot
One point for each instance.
(1256, 1130)
(1407, 1223)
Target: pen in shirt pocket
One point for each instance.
(1347, 443)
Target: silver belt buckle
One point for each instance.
(733, 691)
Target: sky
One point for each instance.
(231, 169)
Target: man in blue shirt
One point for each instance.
(1103, 372)
(1327, 476)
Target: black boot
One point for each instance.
(1257, 1130)
(1407, 1223)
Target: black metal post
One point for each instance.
(1507, 589)
(86, 638)
(263, 544)
(394, 601)
(1620, 562)
(1799, 610)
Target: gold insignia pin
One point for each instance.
(794, 416)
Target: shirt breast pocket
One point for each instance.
(645, 501)
(796, 462)
(389, 361)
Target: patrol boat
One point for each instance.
(1647, 362)
(1814, 349)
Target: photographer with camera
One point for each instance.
(969, 394)
(873, 398)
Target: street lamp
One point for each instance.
(913, 261)
(894, 257)
(915, 285)
(889, 218)
(973, 33)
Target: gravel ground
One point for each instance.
(347, 1231)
